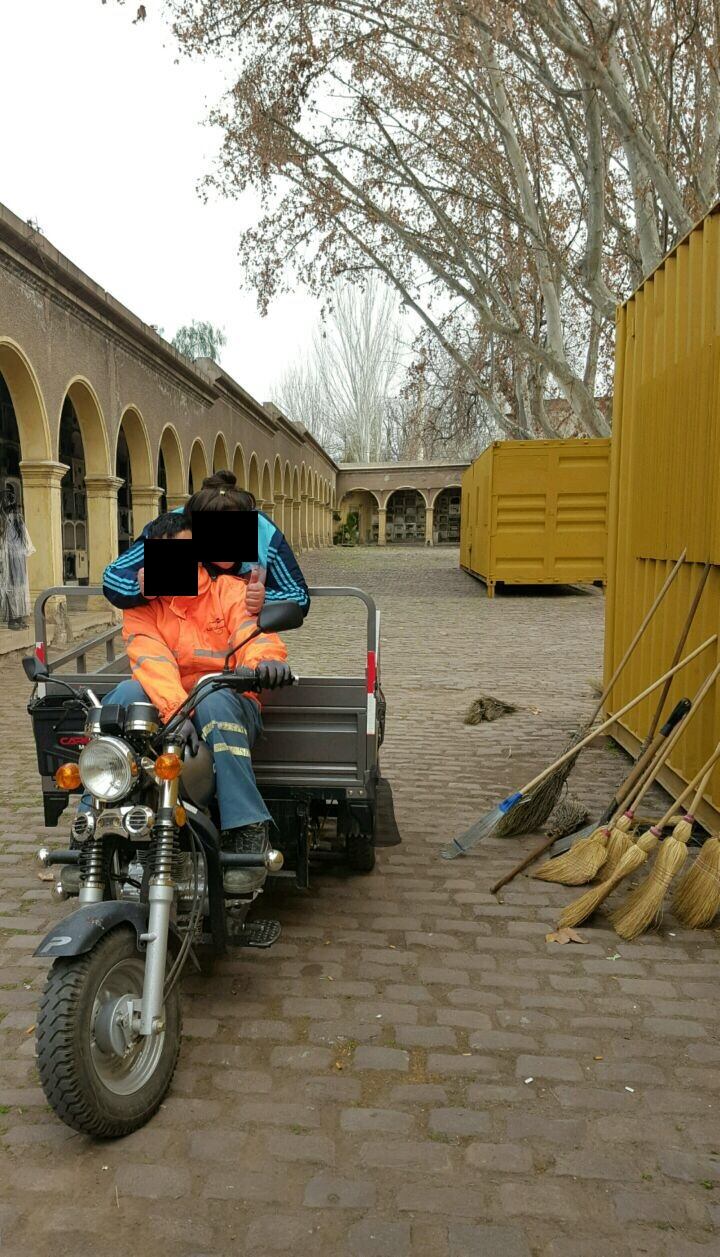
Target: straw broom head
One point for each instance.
(697, 898)
(579, 864)
(643, 906)
(634, 858)
(618, 843)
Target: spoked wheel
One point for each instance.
(98, 1078)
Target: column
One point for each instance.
(145, 505)
(429, 516)
(304, 522)
(177, 499)
(382, 520)
(102, 512)
(278, 512)
(42, 505)
(295, 542)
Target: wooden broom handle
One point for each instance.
(679, 650)
(674, 736)
(668, 582)
(594, 733)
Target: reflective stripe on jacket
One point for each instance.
(172, 642)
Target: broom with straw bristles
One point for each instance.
(619, 840)
(597, 844)
(652, 742)
(633, 859)
(697, 898)
(604, 847)
(532, 805)
(643, 906)
(490, 822)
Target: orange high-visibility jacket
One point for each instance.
(173, 642)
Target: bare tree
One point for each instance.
(512, 167)
(343, 392)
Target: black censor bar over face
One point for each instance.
(170, 568)
(225, 536)
(171, 563)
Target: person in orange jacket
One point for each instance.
(172, 642)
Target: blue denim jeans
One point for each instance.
(230, 724)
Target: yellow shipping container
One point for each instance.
(665, 489)
(535, 513)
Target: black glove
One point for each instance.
(272, 673)
(190, 736)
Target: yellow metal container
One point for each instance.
(535, 513)
(665, 489)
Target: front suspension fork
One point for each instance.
(161, 893)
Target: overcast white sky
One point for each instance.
(103, 143)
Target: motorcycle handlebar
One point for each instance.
(246, 683)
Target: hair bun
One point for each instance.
(223, 479)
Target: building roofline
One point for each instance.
(401, 466)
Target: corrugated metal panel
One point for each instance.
(540, 513)
(665, 486)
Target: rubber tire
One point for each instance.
(68, 1079)
(360, 853)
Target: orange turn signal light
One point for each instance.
(168, 766)
(180, 816)
(67, 777)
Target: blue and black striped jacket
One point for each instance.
(284, 581)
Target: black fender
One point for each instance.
(78, 933)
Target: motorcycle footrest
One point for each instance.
(257, 934)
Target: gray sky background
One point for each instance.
(103, 143)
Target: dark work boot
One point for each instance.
(245, 839)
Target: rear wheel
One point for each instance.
(360, 852)
(93, 1088)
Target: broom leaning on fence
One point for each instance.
(488, 823)
(532, 805)
(605, 846)
(652, 741)
(633, 859)
(643, 906)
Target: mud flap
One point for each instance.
(387, 833)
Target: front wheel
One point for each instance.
(100, 1092)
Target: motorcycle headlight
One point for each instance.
(107, 768)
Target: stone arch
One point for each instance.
(27, 462)
(171, 473)
(296, 507)
(27, 401)
(445, 515)
(93, 428)
(221, 458)
(406, 515)
(254, 479)
(239, 467)
(359, 511)
(277, 476)
(138, 496)
(133, 426)
(287, 480)
(198, 469)
(266, 489)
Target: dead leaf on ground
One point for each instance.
(565, 935)
(536, 711)
(46, 875)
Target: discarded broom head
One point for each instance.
(697, 898)
(579, 864)
(644, 905)
(634, 858)
(618, 843)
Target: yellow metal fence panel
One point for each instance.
(665, 487)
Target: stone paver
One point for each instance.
(363, 1088)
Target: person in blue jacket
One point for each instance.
(284, 582)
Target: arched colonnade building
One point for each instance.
(103, 424)
(402, 503)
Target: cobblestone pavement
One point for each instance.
(412, 1069)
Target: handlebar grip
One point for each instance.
(676, 715)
